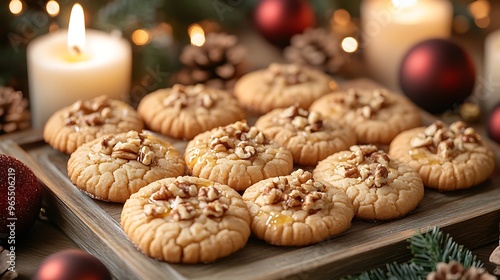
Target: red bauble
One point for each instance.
(437, 74)
(279, 20)
(20, 198)
(71, 265)
(494, 124)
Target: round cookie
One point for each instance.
(236, 155)
(296, 210)
(186, 220)
(186, 111)
(376, 116)
(114, 166)
(308, 135)
(379, 188)
(280, 86)
(446, 157)
(86, 120)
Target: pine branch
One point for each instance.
(428, 249)
(121, 14)
(433, 247)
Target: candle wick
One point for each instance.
(77, 50)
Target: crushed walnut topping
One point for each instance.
(246, 142)
(299, 191)
(93, 112)
(301, 119)
(183, 96)
(367, 163)
(136, 147)
(446, 141)
(287, 74)
(366, 105)
(182, 200)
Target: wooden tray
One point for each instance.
(470, 216)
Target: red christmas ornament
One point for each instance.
(71, 264)
(279, 20)
(494, 124)
(20, 198)
(437, 74)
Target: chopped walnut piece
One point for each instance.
(290, 74)
(445, 141)
(300, 119)
(184, 200)
(91, 112)
(134, 148)
(183, 96)
(366, 163)
(238, 138)
(299, 191)
(365, 102)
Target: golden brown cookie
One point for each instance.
(112, 167)
(296, 210)
(186, 111)
(87, 120)
(447, 157)
(379, 187)
(186, 220)
(376, 116)
(308, 135)
(280, 86)
(236, 155)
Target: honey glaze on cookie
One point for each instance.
(186, 220)
(296, 210)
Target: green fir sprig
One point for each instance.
(428, 249)
(128, 14)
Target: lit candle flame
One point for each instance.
(76, 30)
(403, 4)
(197, 35)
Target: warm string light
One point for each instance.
(404, 4)
(16, 7)
(480, 11)
(197, 35)
(52, 8)
(141, 37)
(349, 45)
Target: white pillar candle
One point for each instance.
(391, 28)
(491, 90)
(58, 77)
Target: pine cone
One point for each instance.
(455, 271)
(218, 63)
(14, 113)
(316, 48)
(5, 272)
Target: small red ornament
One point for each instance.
(279, 20)
(71, 264)
(437, 74)
(494, 124)
(20, 198)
